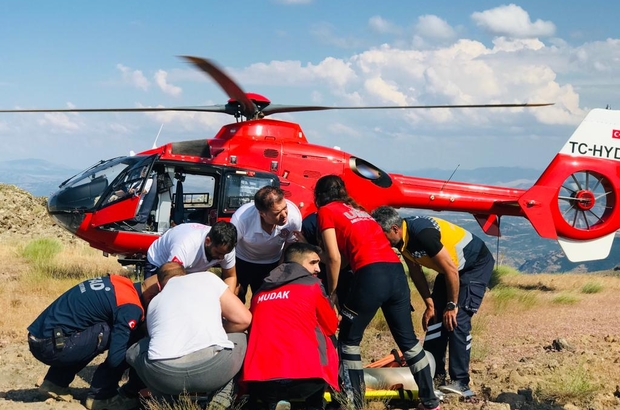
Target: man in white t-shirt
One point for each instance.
(196, 339)
(265, 227)
(197, 247)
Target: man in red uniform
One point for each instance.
(290, 353)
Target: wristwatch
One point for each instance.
(451, 306)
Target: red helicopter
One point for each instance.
(122, 205)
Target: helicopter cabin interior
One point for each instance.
(201, 193)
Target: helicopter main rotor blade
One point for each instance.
(212, 108)
(272, 109)
(275, 108)
(228, 85)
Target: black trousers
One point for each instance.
(252, 275)
(380, 285)
(272, 391)
(80, 349)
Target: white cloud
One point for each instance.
(161, 81)
(59, 122)
(511, 44)
(133, 77)
(512, 21)
(189, 121)
(431, 26)
(387, 91)
(382, 26)
(333, 71)
(119, 128)
(342, 129)
(326, 33)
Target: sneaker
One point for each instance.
(421, 407)
(118, 402)
(439, 380)
(283, 405)
(49, 389)
(456, 387)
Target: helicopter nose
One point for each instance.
(64, 215)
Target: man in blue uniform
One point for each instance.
(98, 314)
(464, 265)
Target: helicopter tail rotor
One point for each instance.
(575, 199)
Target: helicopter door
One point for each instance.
(126, 194)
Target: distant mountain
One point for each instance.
(522, 248)
(37, 176)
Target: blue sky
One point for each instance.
(59, 54)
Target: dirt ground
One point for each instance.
(549, 347)
(516, 365)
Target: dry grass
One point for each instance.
(31, 283)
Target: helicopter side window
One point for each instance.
(240, 189)
(197, 192)
(370, 172)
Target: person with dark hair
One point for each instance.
(197, 247)
(196, 340)
(290, 352)
(310, 234)
(265, 226)
(349, 233)
(464, 265)
(96, 315)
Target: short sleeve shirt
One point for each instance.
(185, 244)
(186, 316)
(257, 246)
(360, 238)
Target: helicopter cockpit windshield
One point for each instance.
(98, 183)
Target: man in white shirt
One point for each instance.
(197, 247)
(265, 227)
(196, 339)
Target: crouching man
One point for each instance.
(196, 342)
(96, 315)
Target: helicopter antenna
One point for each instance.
(451, 175)
(158, 132)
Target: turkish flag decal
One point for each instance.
(615, 134)
(132, 324)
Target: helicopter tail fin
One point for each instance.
(574, 200)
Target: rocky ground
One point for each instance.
(543, 345)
